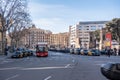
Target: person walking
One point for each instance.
(119, 52)
(108, 52)
(115, 51)
(6, 51)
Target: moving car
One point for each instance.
(111, 71)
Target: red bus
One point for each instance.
(42, 50)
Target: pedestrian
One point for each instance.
(6, 51)
(119, 51)
(37, 48)
(115, 51)
(108, 52)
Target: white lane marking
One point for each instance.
(5, 61)
(42, 68)
(37, 68)
(12, 77)
(9, 68)
(67, 65)
(47, 78)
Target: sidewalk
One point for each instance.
(2, 57)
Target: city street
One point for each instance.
(57, 66)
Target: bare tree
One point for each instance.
(9, 12)
(19, 28)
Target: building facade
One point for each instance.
(36, 36)
(82, 32)
(60, 40)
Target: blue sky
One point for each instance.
(58, 15)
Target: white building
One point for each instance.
(73, 35)
(81, 32)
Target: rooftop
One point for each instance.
(93, 22)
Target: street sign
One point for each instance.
(108, 39)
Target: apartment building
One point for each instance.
(82, 30)
(60, 40)
(36, 35)
(73, 35)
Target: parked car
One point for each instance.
(17, 54)
(85, 52)
(67, 50)
(82, 51)
(72, 51)
(29, 52)
(24, 51)
(103, 52)
(76, 51)
(89, 52)
(95, 52)
(111, 71)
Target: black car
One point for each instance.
(29, 52)
(17, 54)
(103, 52)
(85, 51)
(111, 71)
(95, 52)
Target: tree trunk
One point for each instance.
(16, 43)
(3, 43)
(12, 43)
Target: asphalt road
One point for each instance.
(57, 66)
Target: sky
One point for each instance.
(58, 15)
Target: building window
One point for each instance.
(93, 27)
(100, 26)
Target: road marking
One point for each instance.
(9, 68)
(5, 61)
(48, 78)
(42, 68)
(68, 65)
(37, 68)
(12, 77)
